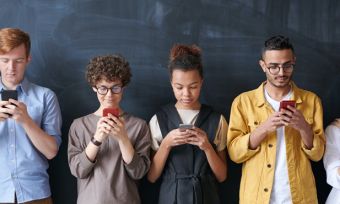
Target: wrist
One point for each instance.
(165, 146)
(123, 140)
(95, 141)
(208, 149)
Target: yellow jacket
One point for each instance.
(248, 111)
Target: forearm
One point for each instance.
(307, 137)
(45, 143)
(91, 151)
(126, 149)
(256, 137)
(217, 163)
(158, 163)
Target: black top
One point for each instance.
(187, 177)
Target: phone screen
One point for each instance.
(183, 127)
(7, 94)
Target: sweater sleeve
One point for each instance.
(80, 165)
(140, 163)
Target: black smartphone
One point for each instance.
(7, 94)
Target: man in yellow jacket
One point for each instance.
(276, 145)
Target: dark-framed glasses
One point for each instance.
(275, 68)
(116, 89)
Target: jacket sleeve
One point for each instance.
(316, 153)
(332, 156)
(238, 134)
(80, 165)
(140, 163)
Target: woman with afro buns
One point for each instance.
(189, 159)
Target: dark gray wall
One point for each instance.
(67, 33)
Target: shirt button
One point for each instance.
(269, 165)
(270, 145)
(265, 189)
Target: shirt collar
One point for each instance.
(22, 87)
(261, 100)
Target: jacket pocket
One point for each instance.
(253, 124)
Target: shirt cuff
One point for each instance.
(316, 152)
(134, 162)
(85, 162)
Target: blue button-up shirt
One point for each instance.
(23, 169)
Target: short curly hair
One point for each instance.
(108, 67)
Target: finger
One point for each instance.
(180, 140)
(197, 129)
(4, 116)
(107, 126)
(119, 123)
(14, 101)
(286, 119)
(4, 103)
(186, 134)
(291, 108)
(102, 120)
(193, 139)
(286, 112)
(109, 121)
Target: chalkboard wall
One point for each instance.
(67, 33)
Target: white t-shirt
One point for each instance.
(281, 189)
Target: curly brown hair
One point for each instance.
(108, 67)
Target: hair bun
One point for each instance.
(180, 50)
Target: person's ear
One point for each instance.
(262, 65)
(29, 58)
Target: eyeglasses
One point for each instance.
(275, 68)
(116, 89)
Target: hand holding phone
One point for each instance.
(113, 111)
(285, 103)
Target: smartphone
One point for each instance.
(183, 127)
(7, 94)
(285, 103)
(113, 111)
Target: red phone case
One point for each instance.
(113, 111)
(284, 104)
